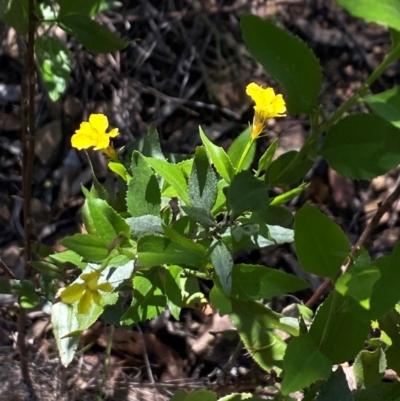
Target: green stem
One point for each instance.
(244, 154)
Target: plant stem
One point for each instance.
(244, 154)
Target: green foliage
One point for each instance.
(323, 248)
(177, 219)
(278, 52)
(354, 141)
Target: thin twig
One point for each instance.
(7, 270)
(383, 208)
(27, 138)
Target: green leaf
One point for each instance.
(240, 397)
(222, 261)
(357, 282)
(173, 290)
(64, 322)
(179, 395)
(218, 157)
(266, 158)
(336, 388)
(381, 392)
(321, 245)
(101, 220)
(152, 145)
(288, 59)
(19, 287)
(173, 174)
(143, 196)
(255, 324)
(94, 36)
(288, 169)
(304, 364)
(332, 325)
(386, 104)
(278, 216)
(356, 140)
(89, 246)
(200, 215)
(255, 282)
(202, 182)
(220, 203)
(219, 299)
(182, 240)
(369, 367)
(385, 12)
(390, 324)
(235, 151)
(154, 250)
(69, 257)
(49, 269)
(247, 194)
(119, 169)
(16, 15)
(145, 225)
(149, 299)
(55, 64)
(288, 195)
(87, 7)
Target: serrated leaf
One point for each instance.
(64, 322)
(255, 282)
(173, 174)
(94, 36)
(247, 194)
(336, 388)
(218, 157)
(381, 392)
(385, 12)
(386, 104)
(340, 324)
(154, 250)
(89, 246)
(288, 59)
(304, 364)
(102, 220)
(369, 367)
(237, 147)
(143, 196)
(321, 245)
(202, 182)
(356, 140)
(149, 299)
(222, 261)
(55, 64)
(145, 225)
(200, 215)
(152, 145)
(69, 257)
(255, 324)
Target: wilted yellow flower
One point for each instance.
(86, 292)
(267, 105)
(93, 133)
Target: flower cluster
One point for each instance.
(86, 292)
(267, 105)
(93, 133)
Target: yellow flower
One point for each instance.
(93, 133)
(86, 292)
(268, 105)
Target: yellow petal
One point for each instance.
(96, 297)
(102, 142)
(85, 302)
(91, 278)
(106, 287)
(72, 293)
(114, 132)
(99, 122)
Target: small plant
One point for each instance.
(136, 239)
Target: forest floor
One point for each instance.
(186, 65)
